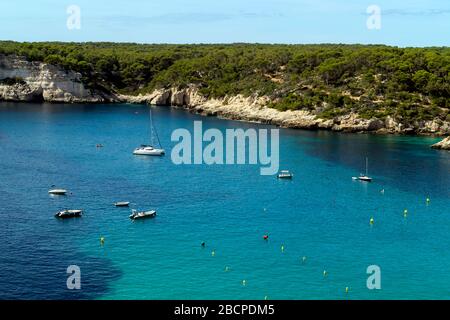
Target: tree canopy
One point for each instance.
(373, 80)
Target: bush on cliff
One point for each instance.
(326, 79)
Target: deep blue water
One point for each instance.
(322, 214)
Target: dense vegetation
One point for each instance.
(408, 83)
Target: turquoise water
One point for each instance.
(322, 214)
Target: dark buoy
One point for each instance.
(203, 244)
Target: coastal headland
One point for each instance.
(302, 87)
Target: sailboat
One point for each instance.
(364, 177)
(150, 150)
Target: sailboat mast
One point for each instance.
(367, 167)
(151, 128)
(153, 132)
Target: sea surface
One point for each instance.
(320, 218)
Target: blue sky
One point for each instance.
(403, 23)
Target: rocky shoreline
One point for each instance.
(254, 109)
(44, 82)
(443, 145)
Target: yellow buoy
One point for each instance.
(405, 213)
(282, 248)
(325, 273)
(227, 269)
(213, 253)
(428, 200)
(244, 283)
(346, 289)
(372, 221)
(102, 240)
(303, 259)
(266, 298)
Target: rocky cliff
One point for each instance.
(22, 80)
(443, 145)
(254, 109)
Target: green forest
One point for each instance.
(329, 80)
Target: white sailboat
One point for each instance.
(150, 150)
(364, 177)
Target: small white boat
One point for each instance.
(150, 150)
(285, 174)
(69, 214)
(59, 192)
(364, 177)
(142, 215)
(145, 150)
(122, 204)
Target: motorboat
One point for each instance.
(135, 215)
(285, 174)
(69, 214)
(59, 192)
(122, 204)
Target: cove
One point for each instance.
(321, 214)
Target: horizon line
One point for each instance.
(229, 43)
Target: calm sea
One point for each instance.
(322, 214)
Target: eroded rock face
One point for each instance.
(20, 92)
(443, 145)
(161, 97)
(353, 123)
(179, 98)
(437, 126)
(254, 109)
(42, 82)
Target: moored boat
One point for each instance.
(364, 177)
(122, 204)
(69, 214)
(59, 192)
(145, 150)
(135, 215)
(150, 150)
(285, 174)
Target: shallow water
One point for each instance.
(321, 214)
